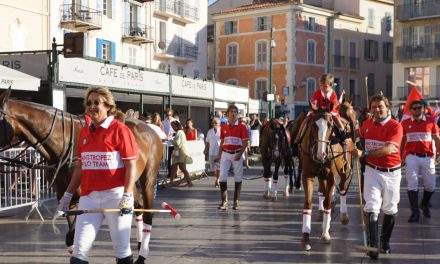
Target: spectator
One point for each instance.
(148, 119)
(255, 133)
(131, 114)
(167, 123)
(418, 132)
(223, 120)
(212, 148)
(190, 131)
(233, 141)
(180, 155)
(383, 136)
(156, 121)
(103, 187)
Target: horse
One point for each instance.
(273, 148)
(325, 160)
(54, 134)
(293, 129)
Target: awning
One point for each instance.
(17, 80)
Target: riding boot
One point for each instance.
(385, 234)
(372, 230)
(74, 260)
(224, 196)
(126, 260)
(413, 197)
(236, 205)
(424, 204)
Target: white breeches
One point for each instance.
(226, 162)
(426, 168)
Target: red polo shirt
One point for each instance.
(102, 153)
(419, 135)
(323, 100)
(377, 135)
(233, 136)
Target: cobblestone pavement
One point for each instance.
(260, 232)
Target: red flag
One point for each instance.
(414, 94)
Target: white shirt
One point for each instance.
(213, 139)
(167, 126)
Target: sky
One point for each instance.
(211, 1)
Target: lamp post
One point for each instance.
(272, 45)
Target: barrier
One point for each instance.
(22, 187)
(195, 150)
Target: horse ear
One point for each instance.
(351, 100)
(4, 98)
(330, 107)
(312, 106)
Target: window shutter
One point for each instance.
(306, 23)
(138, 15)
(127, 12)
(427, 34)
(113, 51)
(366, 49)
(99, 48)
(256, 24)
(376, 50)
(85, 45)
(114, 3)
(269, 23)
(227, 28)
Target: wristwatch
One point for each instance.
(365, 153)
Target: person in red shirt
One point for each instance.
(383, 136)
(322, 99)
(418, 133)
(233, 142)
(107, 153)
(190, 131)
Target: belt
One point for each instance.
(383, 169)
(424, 155)
(232, 151)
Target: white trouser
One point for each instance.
(381, 191)
(87, 225)
(426, 167)
(226, 162)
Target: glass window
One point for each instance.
(132, 55)
(261, 55)
(419, 76)
(371, 18)
(106, 52)
(232, 82)
(196, 73)
(262, 23)
(437, 34)
(260, 88)
(387, 52)
(180, 70)
(311, 88)
(311, 51)
(162, 67)
(230, 27)
(232, 54)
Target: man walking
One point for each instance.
(383, 137)
(418, 133)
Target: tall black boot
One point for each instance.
(413, 197)
(372, 230)
(224, 196)
(74, 260)
(236, 205)
(424, 205)
(385, 234)
(126, 260)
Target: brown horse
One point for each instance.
(293, 128)
(54, 134)
(325, 160)
(273, 149)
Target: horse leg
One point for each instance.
(274, 191)
(298, 175)
(328, 185)
(344, 217)
(307, 212)
(267, 178)
(287, 175)
(320, 202)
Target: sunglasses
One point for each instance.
(95, 102)
(417, 108)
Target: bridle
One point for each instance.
(66, 156)
(314, 142)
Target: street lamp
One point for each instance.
(272, 45)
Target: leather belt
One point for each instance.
(232, 151)
(424, 155)
(383, 169)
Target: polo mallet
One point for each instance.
(366, 90)
(167, 209)
(411, 83)
(365, 247)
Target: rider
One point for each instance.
(322, 99)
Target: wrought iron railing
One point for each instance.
(426, 51)
(424, 9)
(179, 8)
(80, 13)
(135, 29)
(353, 63)
(338, 61)
(177, 49)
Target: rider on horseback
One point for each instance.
(322, 99)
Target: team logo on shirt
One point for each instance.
(366, 130)
(409, 126)
(84, 141)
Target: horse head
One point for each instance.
(320, 132)
(6, 128)
(273, 139)
(346, 110)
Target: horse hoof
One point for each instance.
(266, 195)
(140, 260)
(286, 193)
(307, 246)
(274, 198)
(325, 238)
(345, 219)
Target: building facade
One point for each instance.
(417, 49)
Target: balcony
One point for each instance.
(175, 50)
(338, 61)
(81, 18)
(419, 52)
(429, 92)
(144, 1)
(136, 33)
(353, 63)
(177, 10)
(424, 9)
